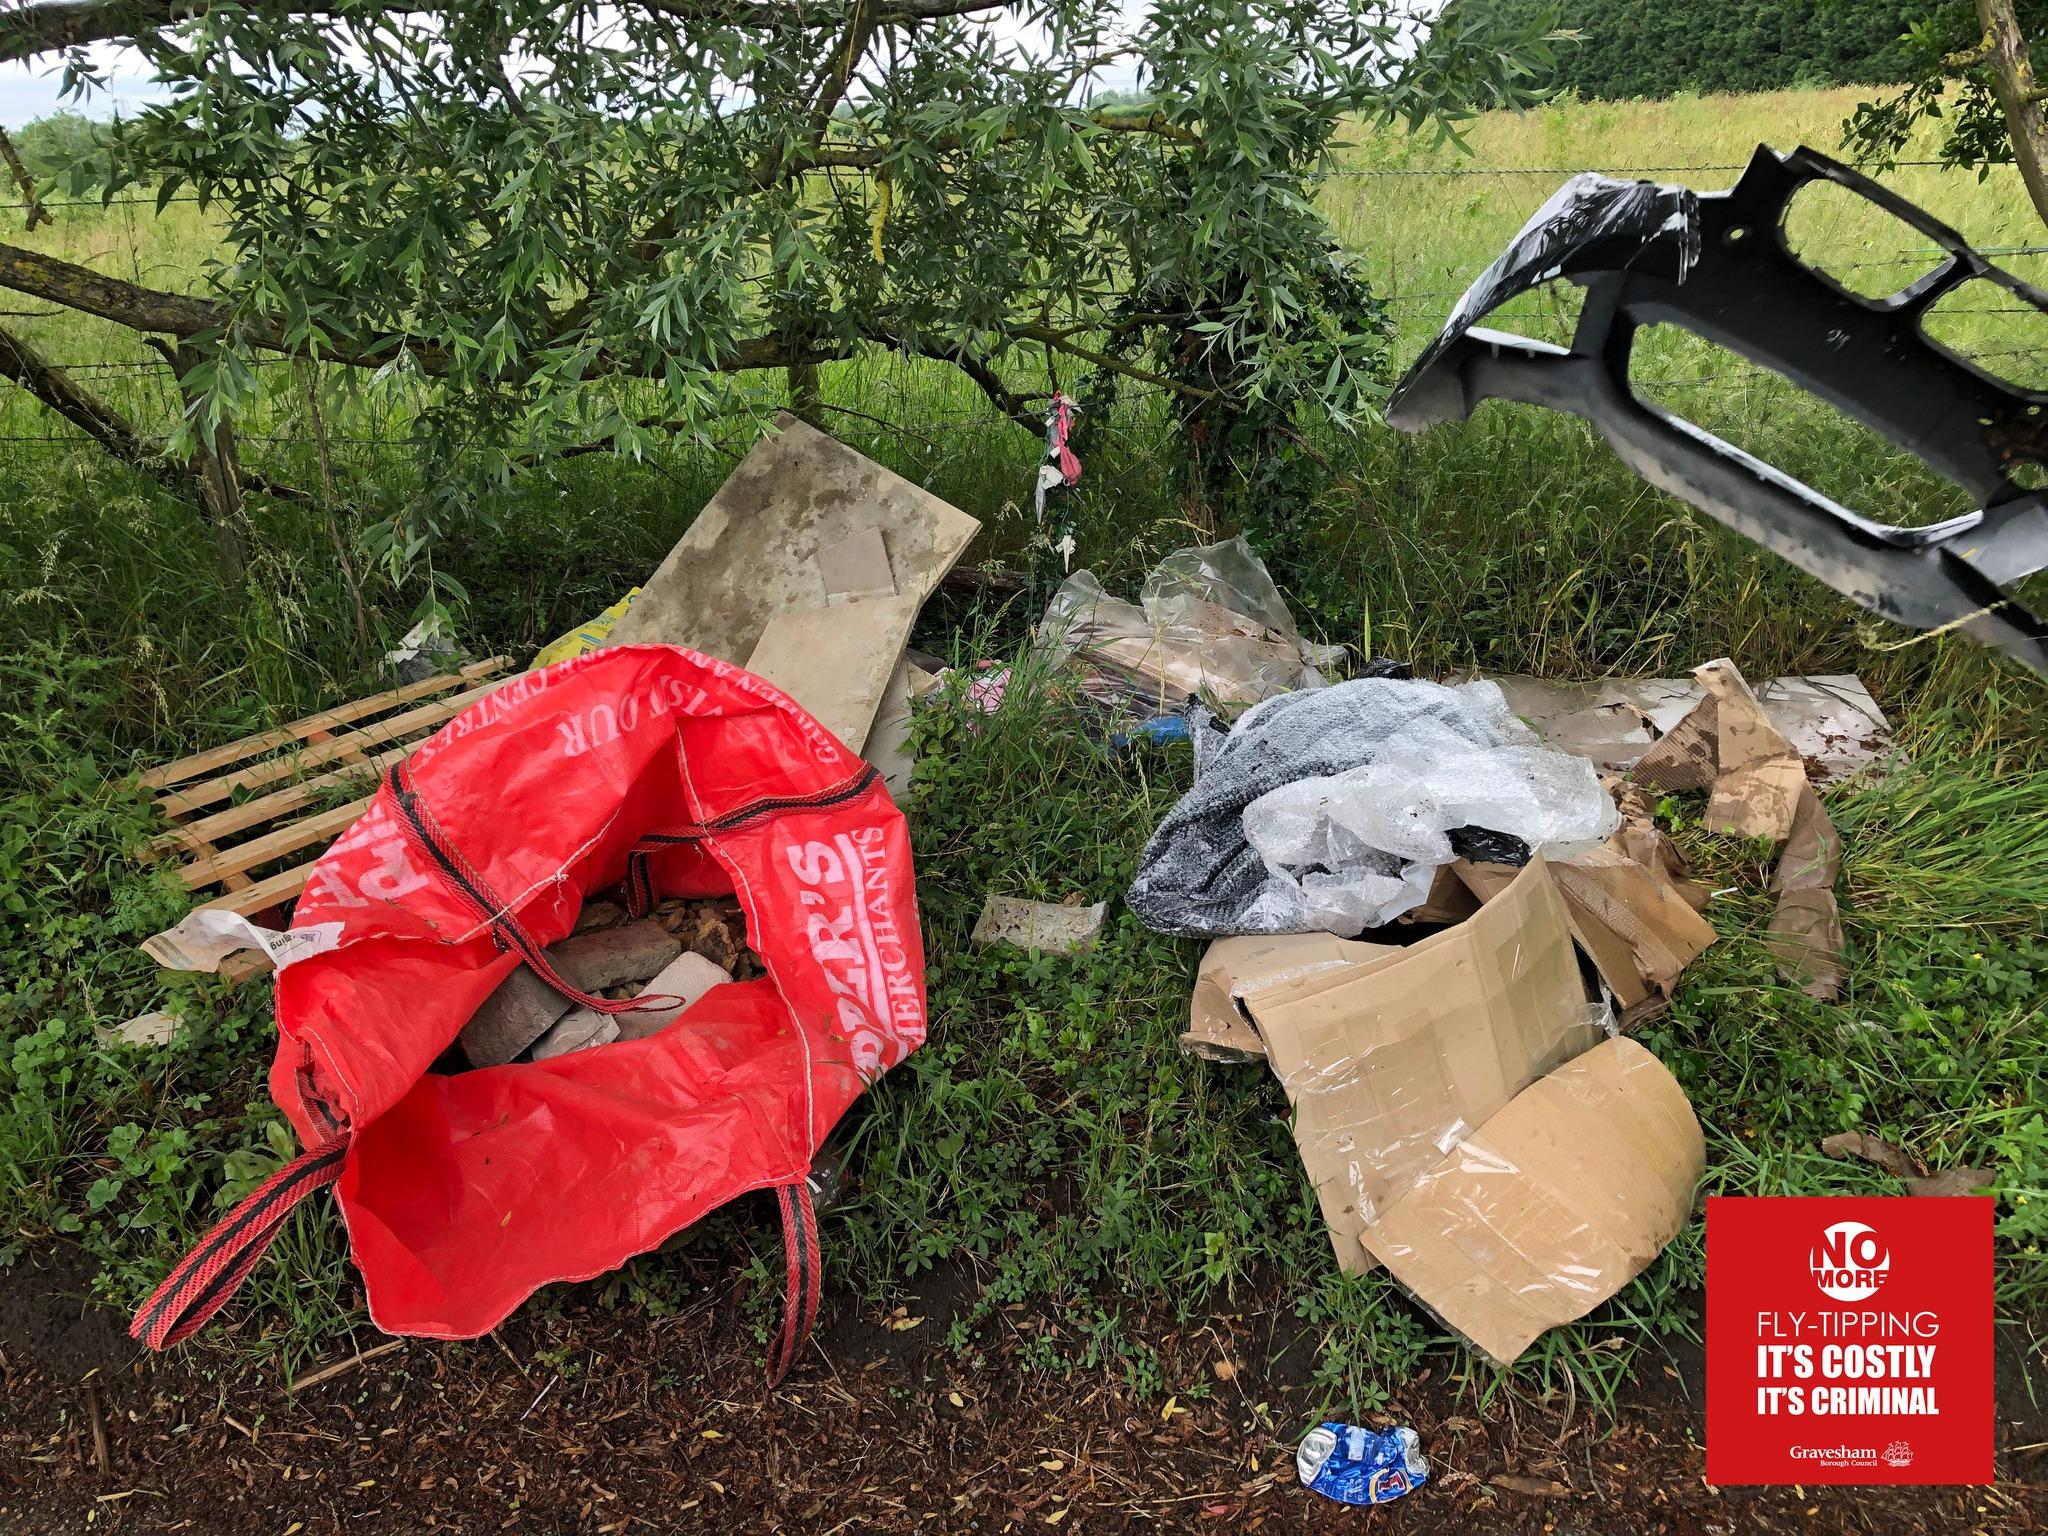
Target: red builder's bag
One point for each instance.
(654, 766)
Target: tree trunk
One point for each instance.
(2020, 95)
(220, 478)
(805, 396)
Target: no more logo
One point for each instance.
(1849, 1262)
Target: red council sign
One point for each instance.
(1849, 1340)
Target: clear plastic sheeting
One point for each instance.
(1209, 624)
(1331, 811)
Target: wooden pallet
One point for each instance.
(256, 853)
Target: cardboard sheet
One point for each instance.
(1758, 788)
(1220, 1024)
(837, 661)
(1390, 1060)
(1831, 721)
(1641, 839)
(1805, 934)
(754, 549)
(1553, 1204)
(1633, 922)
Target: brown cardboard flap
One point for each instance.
(1634, 923)
(1756, 791)
(1604, 888)
(1219, 1027)
(1684, 756)
(1832, 722)
(1450, 900)
(1389, 1061)
(1760, 789)
(1552, 1205)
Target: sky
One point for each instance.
(35, 88)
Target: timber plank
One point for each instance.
(180, 802)
(192, 835)
(265, 893)
(223, 864)
(316, 727)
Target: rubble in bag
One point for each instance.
(1209, 624)
(573, 834)
(1332, 809)
(676, 955)
(1757, 787)
(1461, 1110)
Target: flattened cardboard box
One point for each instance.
(1462, 1115)
(1389, 1061)
(1832, 722)
(1633, 923)
(1220, 1026)
(1553, 1204)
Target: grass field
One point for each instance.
(1051, 1139)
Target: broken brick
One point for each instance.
(519, 1012)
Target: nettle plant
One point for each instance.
(572, 227)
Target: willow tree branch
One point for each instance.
(1057, 340)
(151, 310)
(37, 213)
(99, 421)
(110, 298)
(989, 382)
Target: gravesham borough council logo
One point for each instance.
(1898, 1454)
(1849, 1262)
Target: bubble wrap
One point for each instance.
(1330, 810)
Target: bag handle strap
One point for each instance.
(201, 1282)
(800, 1295)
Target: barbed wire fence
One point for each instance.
(145, 387)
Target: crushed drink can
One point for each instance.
(1354, 1465)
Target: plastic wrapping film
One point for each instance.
(1585, 211)
(1330, 810)
(1389, 1060)
(1551, 1206)
(1209, 624)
